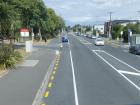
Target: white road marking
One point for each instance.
(122, 62)
(86, 43)
(83, 41)
(128, 72)
(98, 50)
(137, 87)
(125, 51)
(29, 63)
(95, 52)
(74, 80)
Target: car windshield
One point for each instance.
(69, 52)
(99, 39)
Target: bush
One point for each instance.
(8, 57)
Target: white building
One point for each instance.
(100, 28)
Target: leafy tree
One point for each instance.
(116, 31)
(32, 14)
(135, 30)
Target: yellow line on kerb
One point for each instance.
(52, 77)
(43, 104)
(46, 94)
(56, 64)
(50, 85)
(54, 72)
(55, 68)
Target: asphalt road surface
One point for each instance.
(94, 75)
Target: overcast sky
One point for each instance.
(94, 11)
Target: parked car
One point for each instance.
(65, 38)
(99, 42)
(135, 49)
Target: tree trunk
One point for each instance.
(40, 35)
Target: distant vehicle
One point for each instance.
(135, 49)
(99, 42)
(82, 34)
(85, 35)
(78, 34)
(93, 37)
(64, 38)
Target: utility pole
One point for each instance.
(110, 26)
(139, 19)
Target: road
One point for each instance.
(94, 75)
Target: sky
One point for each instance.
(90, 12)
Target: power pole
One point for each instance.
(110, 26)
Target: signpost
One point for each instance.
(121, 35)
(24, 32)
(129, 36)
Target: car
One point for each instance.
(78, 34)
(82, 34)
(64, 38)
(93, 37)
(85, 35)
(135, 49)
(99, 42)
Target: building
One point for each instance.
(100, 28)
(122, 22)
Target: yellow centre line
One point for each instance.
(43, 104)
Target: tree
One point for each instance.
(116, 31)
(135, 30)
(31, 14)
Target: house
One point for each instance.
(100, 28)
(122, 22)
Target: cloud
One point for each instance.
(83, 11)
(79, 19)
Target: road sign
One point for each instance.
(24, 32)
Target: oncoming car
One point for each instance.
(64, 38)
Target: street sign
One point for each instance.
(24, 32)
(130, 32)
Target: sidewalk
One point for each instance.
(118, 43)
(20, 86)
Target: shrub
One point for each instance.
(8, 57)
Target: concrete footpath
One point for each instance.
(20, 86)
(118, 43)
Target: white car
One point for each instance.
(93, 37)
(99, 42)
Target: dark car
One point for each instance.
(64, 39)
(135, 49)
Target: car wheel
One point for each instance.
(135, 52)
